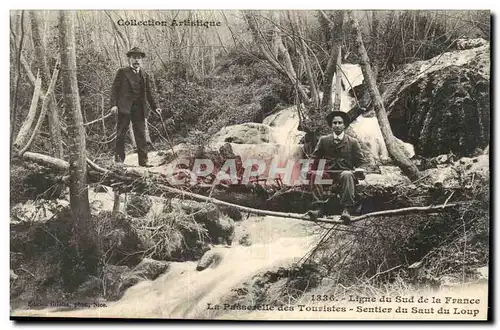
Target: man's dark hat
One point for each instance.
(136, 50)
(344, 115)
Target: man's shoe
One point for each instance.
(315, 214)
(345, 217)
(146, 165)
(312, 214)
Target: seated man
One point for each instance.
(344, 159)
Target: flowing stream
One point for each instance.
(184, 292)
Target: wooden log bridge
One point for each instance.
(244, 198)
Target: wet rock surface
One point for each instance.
(442, 104)
(138, 206)
(220, 227)
(248, 133)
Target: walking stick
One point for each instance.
(166, 132)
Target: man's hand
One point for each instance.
(359, 173)
(114, 110)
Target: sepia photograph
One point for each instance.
(250, 165)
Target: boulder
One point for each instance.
(231, 212)
(467, 43)
(202, 212)
(40, 210)
(223, 229)
(138, 206)
(147, 269)
(185, 162)
(442, 104)
(117, 238)
(211, 258)
(220, 227)
(117, 279)
(150, 269)
(247, 133)
(460, 173)
(184, 170)
(482, 272)
(245, 240)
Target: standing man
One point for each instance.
(343, 155)
(132, 90)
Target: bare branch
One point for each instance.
(286, 68)
(125, 41)
(43, 112)
(22, 136)
(406, 210)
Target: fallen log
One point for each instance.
(264, 200)
(167, 191)
(47, 161)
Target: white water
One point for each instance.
(183, 292)
(284, 124)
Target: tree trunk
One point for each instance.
(79, 198)
(375, 44)
(41, 65)
(399, 157)
(338, 79)
(331, 67)
(17, 79)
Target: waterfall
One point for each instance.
(183, 292)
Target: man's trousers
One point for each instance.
(136, 116)
(347, 183)
(347, 188)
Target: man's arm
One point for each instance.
(115, 89)
(358, 158)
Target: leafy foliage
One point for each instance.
(445, 243)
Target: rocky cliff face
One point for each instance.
(442, 104)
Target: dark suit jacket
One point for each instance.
(346, 155)
(121, 95)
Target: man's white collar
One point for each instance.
(138, 69)
(338, 137)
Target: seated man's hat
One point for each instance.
(136, 50)
(344, 115)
